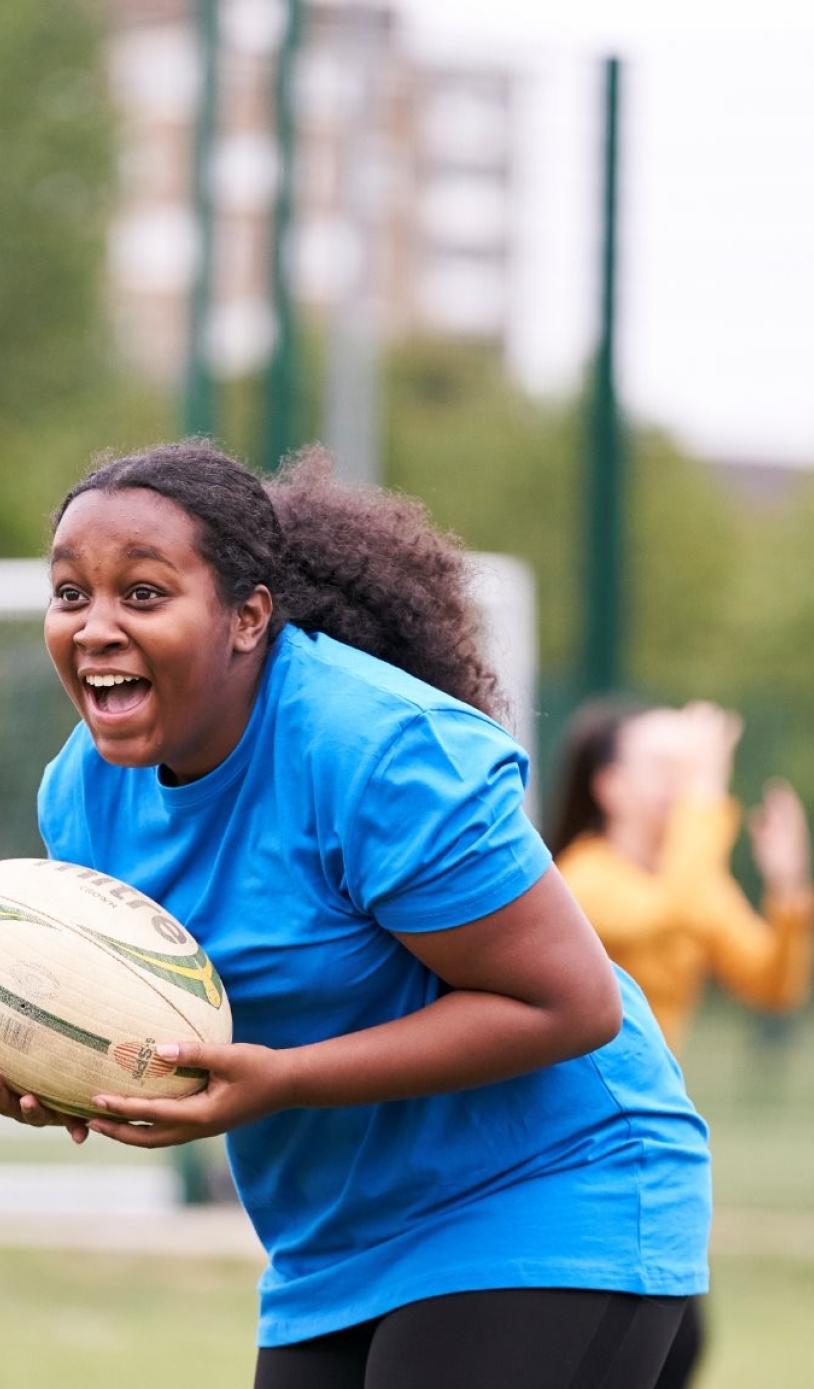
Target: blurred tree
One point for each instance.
(774, 623)
(720, 603)
(495, 466)
(54, 185)
(60, 397)
(686, 571)
(507, 472)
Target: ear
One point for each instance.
(252, 619)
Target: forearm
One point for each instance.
(530, 986)
(791, 916)
(767, 963)
(462, 1040)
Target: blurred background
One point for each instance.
(555, 279)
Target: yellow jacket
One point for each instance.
(672, 928)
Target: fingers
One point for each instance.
(28, 1109)
(183, 1053)
(781, 811)
(39, 1116)
(712, 720)
(9, 1101)
(150, 1123)
(142, 1111)
(158, 1123)
(142, 1135)
(35, 1113)
(139, 1123)
(780, 793)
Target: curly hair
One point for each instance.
(361, 564)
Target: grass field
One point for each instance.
(753, 1080)
(88, 1321)
(760, 1325)
(97, 1321)
(66, 1319)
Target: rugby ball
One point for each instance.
(93, 976)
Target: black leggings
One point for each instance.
(515, 1338)
(685, 1353)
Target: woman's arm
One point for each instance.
(630, 905)
(764, 962)
(768, 963)
(531, 986)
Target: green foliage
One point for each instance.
(507, 472)
(682, 574)
(494, 466)
(42, 461)
(60, 397)
(55, 132)
(719, 599)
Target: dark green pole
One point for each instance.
(281, 422)
(198, 405)
(602, 658)
(198, 401)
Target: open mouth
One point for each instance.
(117, 695)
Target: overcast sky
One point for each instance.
(716, 329)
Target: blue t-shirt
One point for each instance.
(360, 802)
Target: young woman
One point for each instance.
(642, 829)
(456, 1130)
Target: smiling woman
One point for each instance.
(455, 1127)
(161, 671)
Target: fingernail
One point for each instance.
(99, 1101)
(168, 1051)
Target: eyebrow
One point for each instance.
(67, 552)
(62, 552)
(149, 552)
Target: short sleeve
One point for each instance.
(61, 814)
(438, 835)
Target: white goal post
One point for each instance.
(503, 588)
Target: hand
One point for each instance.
(780, 840)
(245, 1082)
(27, 1109)
(708, 738)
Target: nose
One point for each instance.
(100, 630)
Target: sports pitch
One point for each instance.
(66, 1317)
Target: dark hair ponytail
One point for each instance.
(361, 564)
(589, 743)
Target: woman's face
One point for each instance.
(162, 672)
(643, 781)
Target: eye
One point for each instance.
(68, 594)
(144, 593)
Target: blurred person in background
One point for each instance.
(642, 828)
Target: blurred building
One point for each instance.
(404, 183)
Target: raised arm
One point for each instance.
(767, 960)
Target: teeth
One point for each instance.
(99, 680)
